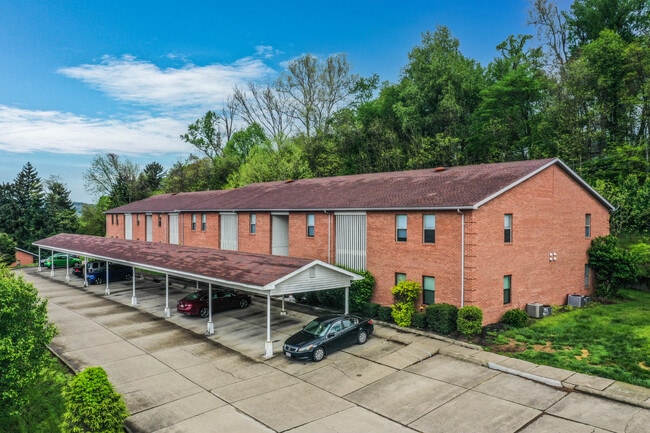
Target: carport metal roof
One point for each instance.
(257, 273)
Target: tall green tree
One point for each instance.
(629, 19)
(26, 212)
(60, 212)
(24, 335)
(7, 249)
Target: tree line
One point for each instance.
(580, 91)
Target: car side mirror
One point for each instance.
(331, 334)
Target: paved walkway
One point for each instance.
(176, 379)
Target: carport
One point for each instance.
(261, 274)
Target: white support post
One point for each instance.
(39, 260)
(166, 312)
(210, 330)
(67, 268)
(347, 300)
(134, 300)
(268, 346)
(85, 272)
(283, 312)
(107, 289)
(51, 263)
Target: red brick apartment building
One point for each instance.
(498, 236)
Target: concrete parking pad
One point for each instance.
(522, 391)
(594, 382)
(453, 371)
(404, 397)
(292, 406)
(244, 389)
(474, 412)
(174, 412)
(223, 419)
(103, 354)
(353, 420)
(551, 424)
(605, 414)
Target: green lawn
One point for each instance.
(606, 340)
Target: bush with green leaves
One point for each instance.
(419, 320)
(92, 404)
(360, 293)
(441, 318)
(516, 318)
(24, 335)
(370, 309)
(615, 267)
(405, 294)
(385, 314)
(470, 320)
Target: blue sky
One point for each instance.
(81, 78)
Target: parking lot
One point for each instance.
(174, 378)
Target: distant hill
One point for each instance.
(77, 205)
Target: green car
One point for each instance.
(59, 261)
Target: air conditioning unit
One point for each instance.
(535, 310)
(578, 300)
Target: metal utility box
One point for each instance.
(578, 300)
(535, 310)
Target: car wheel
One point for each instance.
(99, 280)
(243, 303)
(318, 355)
(203, 312)
(362, 337)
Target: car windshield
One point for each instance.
(316, 327)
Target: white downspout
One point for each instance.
(329, 237)
(462, 258)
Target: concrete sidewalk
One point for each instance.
(176, 379)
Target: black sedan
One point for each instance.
(326, 334)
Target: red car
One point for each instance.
(196, 304)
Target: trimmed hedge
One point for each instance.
(419, 320)
(92, 404)
(385, 314)
(470, 320)
(441, 318)
(516, 318)
(370, 309)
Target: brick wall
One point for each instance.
(198, 237)
(260, 241)
(301, 245)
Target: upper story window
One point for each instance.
(112, 219)
(400, 227)
(252, 224)
(507, 228)
(588, 225)
(310, 225)
(429, 229)
(204, 221)
(117, 220)
(428, 290)
(159, 220)
(193, 221)
(137, 219)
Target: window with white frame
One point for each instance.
(204, 221)
(137, 219)
(428, 290)
(429, 229)
(159, 220)
(310, 225)
(588, 225)
(507, 289)
(587, 276)
(193, 221)
(400, 227)
(507, 228)
(252, 223)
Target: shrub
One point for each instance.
(614, 266)
(470, 320)
(370, 309)
(515, 317)
(419, 320)
(361, 290)
(92, 405)
(385, 313)
(7, 249)
(405, 293)
(402, 313)
(441, 318)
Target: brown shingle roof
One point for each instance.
(449, 188)
(229, 266)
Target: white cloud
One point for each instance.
(26, 131)
(141, 82)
